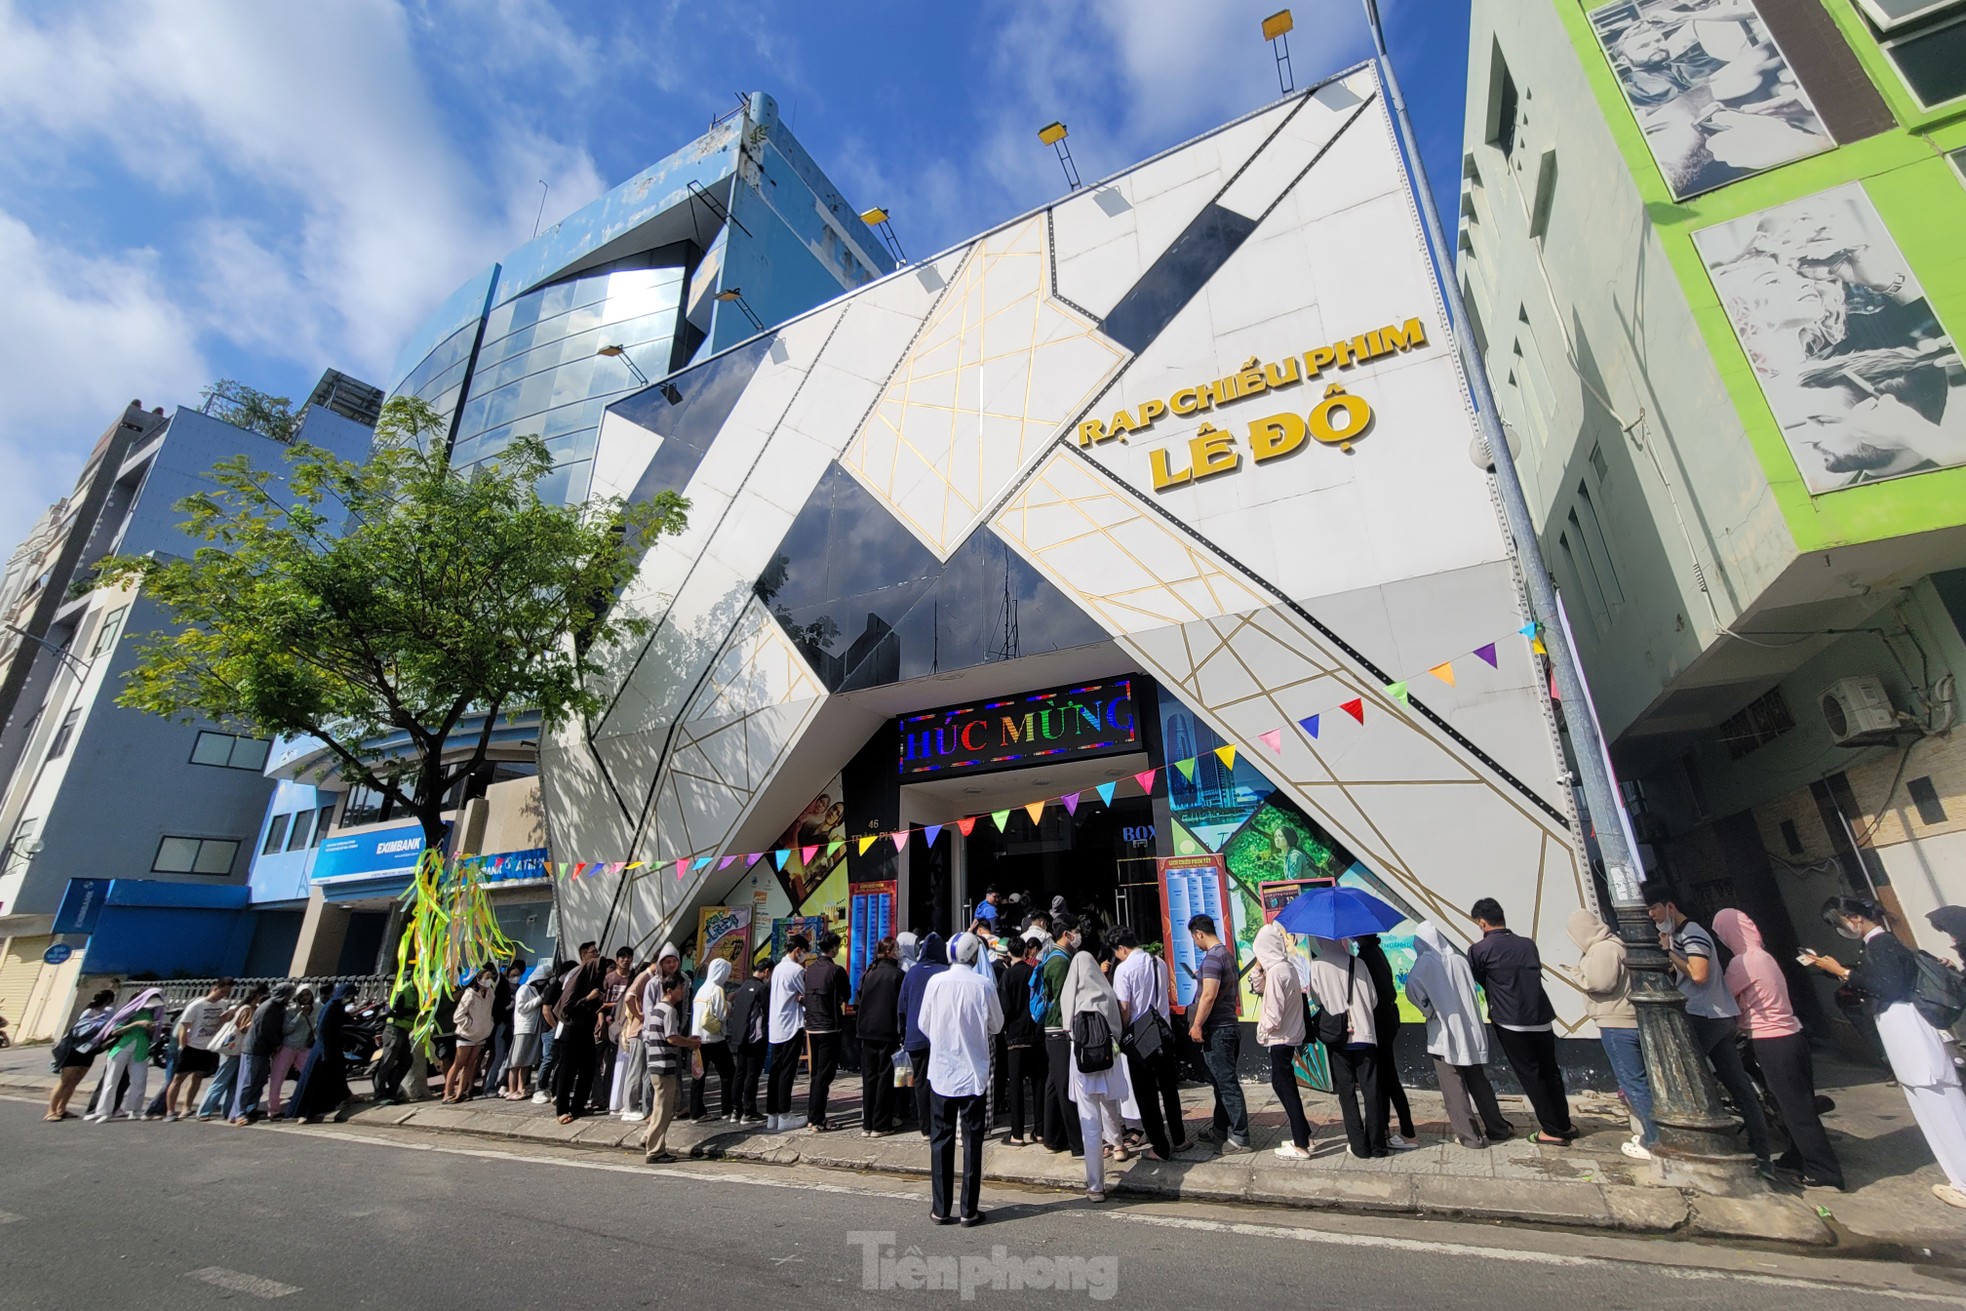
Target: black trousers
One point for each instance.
(877, 1084)
(1716, 1035)
(1386, 1026)
(1283, 1082)
(1061, 1113)
(825, 1064)
(393, 1065)
(946, 1113)
(924, 1112)
(1792, 1083)
(748, 1063)
(501, 1050)
(716, 1056)
(1533, 1058)
(573, 1082)
(784, 1069)
(1355, 1076)
(1025, 1067)
(604, 1054)
(1146, 1077)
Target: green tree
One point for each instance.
(396, 596)
(251, 409)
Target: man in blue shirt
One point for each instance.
(986, 909)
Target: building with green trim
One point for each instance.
(1715, 251)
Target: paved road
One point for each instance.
(188, 1215)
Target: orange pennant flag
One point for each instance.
(1035, 810)
(1444, 671)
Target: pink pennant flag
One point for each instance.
(900, 838)
(807, 853)
(1071, 800)
(1488, 653)
(682, 867)
(1272, 739)
(1146, 779)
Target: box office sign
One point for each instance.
(1090, 720)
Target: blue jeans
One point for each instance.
(1221, 1049)
(252, 1085)
(1628, 1063)
(219, 1096)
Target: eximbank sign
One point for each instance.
(1094, 720)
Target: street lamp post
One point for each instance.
(1698, 1141)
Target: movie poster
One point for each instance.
(1710, 89)
(723, 931)
(1863, 379)
(820, 828)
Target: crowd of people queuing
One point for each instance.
(1061, 1027)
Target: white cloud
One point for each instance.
(319, 202)
(79, 339)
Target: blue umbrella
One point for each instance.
(1338, 912)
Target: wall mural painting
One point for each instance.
(1263, 837)
(1711, 90)
(1857, 369)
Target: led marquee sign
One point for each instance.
(1092, 720)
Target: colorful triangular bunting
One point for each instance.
(900, 838)
(1488, 653)
(807, 853)
(780, 856)
(1355, 708)
(1071, 800)
(931, 832)
(682, 868)
(725, 862)
(1226, 753)
(867, 842)
(1397, 691)
(1272, 739)
(1187, 768)
(1001, 817)
(1146, 779)
(1309, 724)
(1036, 810)
(1444, 671)
(966, 825)
(1536, 645)
(1105, 791)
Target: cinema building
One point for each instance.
(1140, 550)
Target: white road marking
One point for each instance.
(7, 1217)
(234, 1281)
(1505, 1255)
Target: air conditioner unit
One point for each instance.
(1858, 712)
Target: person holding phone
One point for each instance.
(1887, 977)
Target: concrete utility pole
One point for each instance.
(1699, 1144)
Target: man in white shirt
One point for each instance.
(961, 1017)
(1141, 982)
(197, 1056)
(786, 1032)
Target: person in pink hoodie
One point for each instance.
(1754, 976)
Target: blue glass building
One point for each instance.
(737, 229)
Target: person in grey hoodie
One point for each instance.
(1601, 971)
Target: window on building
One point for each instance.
(112, 627)
(65, 734)
(1927, 46)
(302, 831)
(366, 806)
(1926, 797)
(229, 751)
(1586, 580)
(1896, 15)
(1595, 545)
(195, 856)
(276, 834)
(1756, 724)
(1599, 465)
(1791, 838)
(322, 819)
(1958, 158)
(1508, 109)
(19, 851)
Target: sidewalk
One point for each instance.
(1890, 1211)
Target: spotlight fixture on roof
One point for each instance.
(617, 352)
(1276, 30)
(876, 218)
(735, 296)
(1053, 135)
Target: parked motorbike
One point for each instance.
(361, 1039)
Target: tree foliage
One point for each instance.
(392, 597)
(251, 409)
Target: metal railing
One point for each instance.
(177, 992)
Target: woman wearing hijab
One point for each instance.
(934, 960)
(709, 1020)
(1951, 921)
(1385, 1023)
(128, 1035)
(262, 1044)
(1887, 976)
(1601, 969)
(877, 1004)
(1098, 1094)
(1442, 986)
(1346, 1000)
(473, 1017)
(1780, 1048)
(323, 1085)
(297, 1034)
(1280, 1031)
(230, 1044)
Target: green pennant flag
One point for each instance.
(1187, 768)
(1397, 691)
(1002, 817)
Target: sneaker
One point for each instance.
(172, 1118)
(1635, 1149)
(1399, 1144)
(632, 1117)
(1949, 1195)
(1234, 1146)
(1291, 1152)
(540, 1099)
(657, 1158)
(1095, 1195)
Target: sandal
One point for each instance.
(1550, 1140)
(566, 1119)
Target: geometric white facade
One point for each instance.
(874, 459)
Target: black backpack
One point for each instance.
(1092, 1042)
(1939, 995)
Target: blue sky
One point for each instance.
(195, 189)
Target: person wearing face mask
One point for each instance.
(709, 1017)
(1887, 978)
(914, 986)
(1346, 1000)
